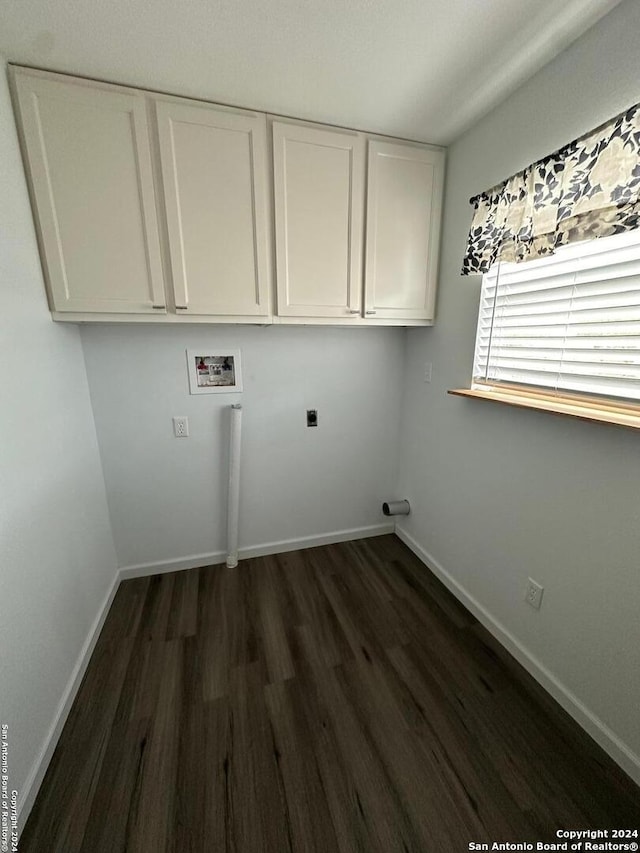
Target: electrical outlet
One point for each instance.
(312, 417)
(428, 367)
(533, 595)
(181, 427)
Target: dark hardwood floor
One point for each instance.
(333, 699)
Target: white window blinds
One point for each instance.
(569, 322)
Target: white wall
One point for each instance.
(167, 496)
(57, 560)
(499, 494)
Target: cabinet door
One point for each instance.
(404, 202)
(319, 201)
(215, 186)
(88, 155)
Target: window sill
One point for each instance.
(586, 410)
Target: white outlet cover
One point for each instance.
(428, 369)
(534, 593)
(181, 426)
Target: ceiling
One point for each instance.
(422, 69)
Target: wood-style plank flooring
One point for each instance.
(332, 699)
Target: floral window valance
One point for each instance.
(590, 188)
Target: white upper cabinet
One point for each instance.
(319, 202)
(319, 192)
(89, 160)
(156, 208)
(404, 202)
(214, 175)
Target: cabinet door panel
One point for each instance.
(403, 228)
(215, 185)
(318, 177)
(90, 164)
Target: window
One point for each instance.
(566, 325)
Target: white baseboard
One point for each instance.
(161, 567)
(315, 541)
(40, 765)
(194, 561)
(593, 725)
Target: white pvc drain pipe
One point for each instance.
(233, 509)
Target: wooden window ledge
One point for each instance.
(587, 410)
